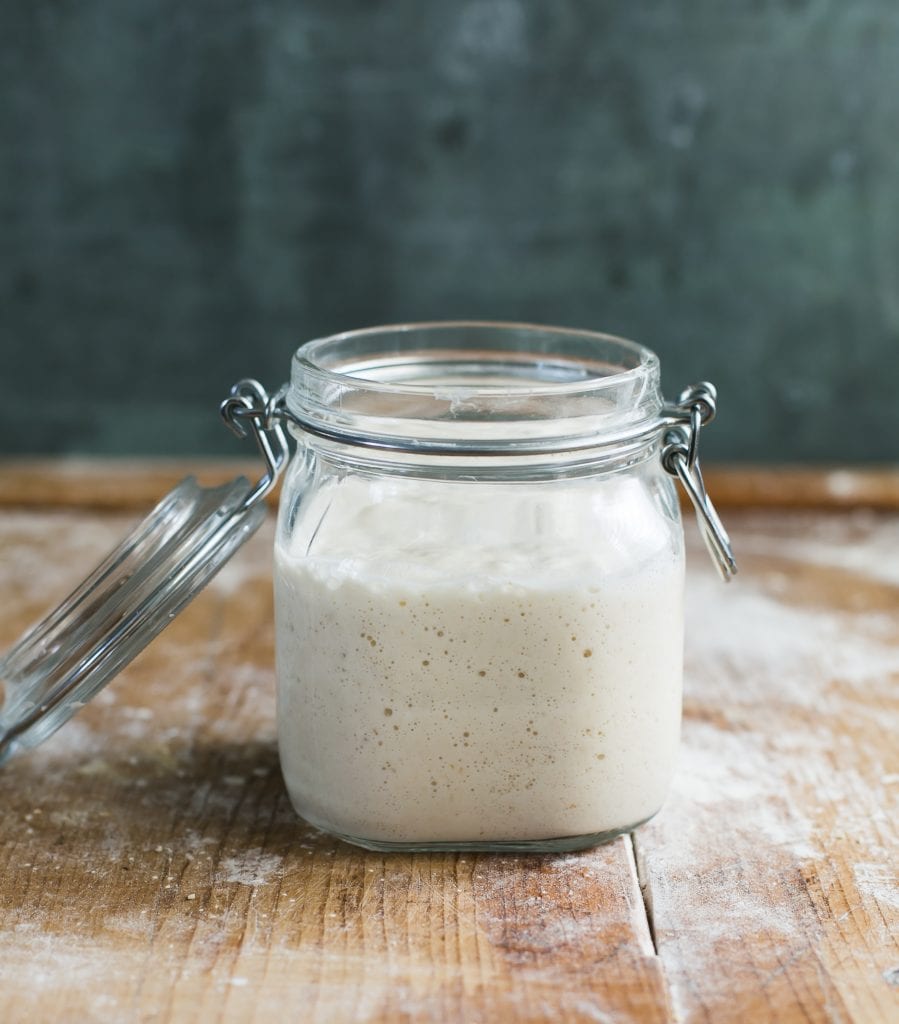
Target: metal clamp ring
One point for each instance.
(680, 458)
(249, 409)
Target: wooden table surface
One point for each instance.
(151, 868)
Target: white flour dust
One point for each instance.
(252, 867)
(880, 881)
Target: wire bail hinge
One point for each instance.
(250, 410)
(680, 457)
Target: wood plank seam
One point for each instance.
(643, 881)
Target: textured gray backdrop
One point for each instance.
(191, 188)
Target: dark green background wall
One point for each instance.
(191, 188)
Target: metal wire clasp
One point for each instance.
(695, 408)
(249, 409)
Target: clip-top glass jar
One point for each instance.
(478, 585)
(479, 575)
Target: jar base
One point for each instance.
(560, 844)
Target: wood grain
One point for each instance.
(151, 868)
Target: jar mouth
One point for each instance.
(469, 383)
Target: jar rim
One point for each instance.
(308, 358)
(474, 385)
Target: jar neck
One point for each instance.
(475, 391)
(474, 467)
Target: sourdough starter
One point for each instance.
(522, 685)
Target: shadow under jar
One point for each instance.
(479, 573)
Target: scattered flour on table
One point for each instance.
(770, 766)
(780, 651)
(70, 748)
(722, 769)
(251, 867)
(828, 542)
(37, 960)
(880, 881)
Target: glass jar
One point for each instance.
(479, 570)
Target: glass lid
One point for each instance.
(66, 659)
(60, 664)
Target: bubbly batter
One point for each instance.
(508, 684)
